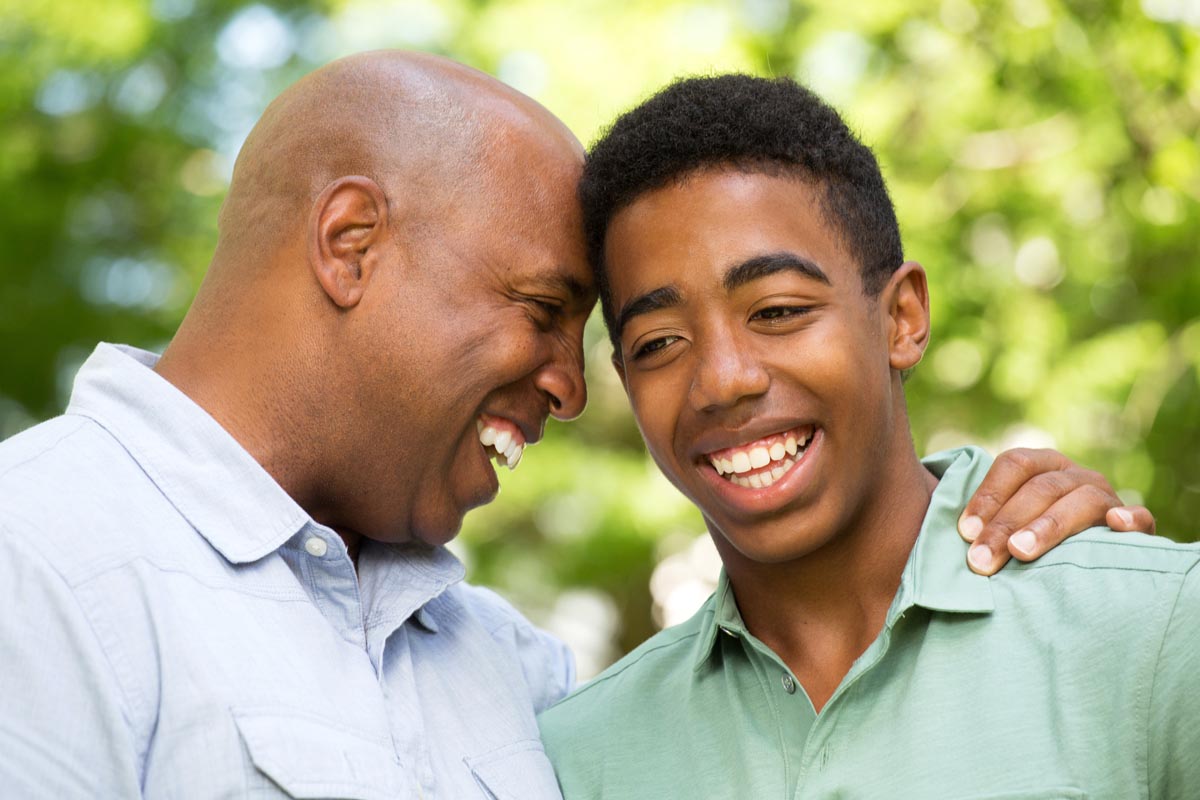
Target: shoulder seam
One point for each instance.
(1157, 661)
(82, 422)
(83, 615)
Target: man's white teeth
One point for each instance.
(507, 448)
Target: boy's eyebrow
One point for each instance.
(655, 300)
(769, 264)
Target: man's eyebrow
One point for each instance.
(769, 264)
(575, 292)
(660, 298)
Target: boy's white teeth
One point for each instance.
(733, 465)
(761, 480)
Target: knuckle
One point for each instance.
(1021, 458)
(1095, 496)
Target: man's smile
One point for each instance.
(502, 439)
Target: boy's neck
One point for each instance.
(820, 612)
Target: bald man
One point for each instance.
(223, 571)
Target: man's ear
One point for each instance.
(346, 227)
(906, 301)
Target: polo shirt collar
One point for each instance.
(935, 576)
(721, 618)
(201, 469)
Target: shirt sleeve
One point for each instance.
(546, 662)
(63, 729)
(1174, 720)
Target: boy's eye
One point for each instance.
(779, 312)
(653, 346)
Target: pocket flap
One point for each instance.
(314, 758)
(519, 771)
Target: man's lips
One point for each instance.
(503, 439)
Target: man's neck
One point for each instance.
(819, 613)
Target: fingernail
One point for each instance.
(1023, 542)
(980, 558)
(970, 527)
(1125, 517)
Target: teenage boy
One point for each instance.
(763, 317)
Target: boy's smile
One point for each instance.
(764, 378)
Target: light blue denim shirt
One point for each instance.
(173, 625)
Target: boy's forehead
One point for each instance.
(715, 219)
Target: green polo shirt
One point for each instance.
(1075, 676)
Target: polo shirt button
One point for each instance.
(316, 546)
(789, 684)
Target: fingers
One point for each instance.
(1011, 470)
(1043, 512)
(1130, 518)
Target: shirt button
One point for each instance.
(316, 546)
(789, 684)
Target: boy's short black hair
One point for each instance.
(757, 125)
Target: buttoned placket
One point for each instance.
(332, 581)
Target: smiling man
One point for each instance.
(763, 317)
(224, 572)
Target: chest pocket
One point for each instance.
(308, 757)
(519, 771)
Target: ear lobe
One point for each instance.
(906, 299)
(346, 229)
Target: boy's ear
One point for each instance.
(345, 233)
(619, 365)
(905, 299)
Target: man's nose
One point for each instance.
(561, 380)
(726, 373)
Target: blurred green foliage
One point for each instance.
(1043, 156)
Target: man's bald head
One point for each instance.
(400, 263)
(417, 124)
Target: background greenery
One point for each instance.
(1043, 156)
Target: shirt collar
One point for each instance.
(721, 618)
(214, 483)
(935, 576)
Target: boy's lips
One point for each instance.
(766, 473)
(760, 463)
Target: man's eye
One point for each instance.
(780, 312)
(550, 309)
(653, 346)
